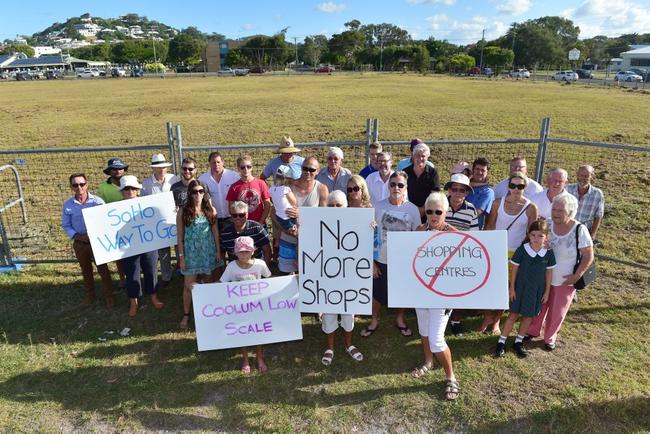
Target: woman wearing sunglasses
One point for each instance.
(432, 322)
(358, 195)
(199, 252)
(512, 213)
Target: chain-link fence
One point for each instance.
(621, 171)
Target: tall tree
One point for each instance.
(421, 59)
(462, 62)
(385, 34)
(497, 57)
(313, 49)
(185, 49)
(18, 48)
(343, 45)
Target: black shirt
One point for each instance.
(420, 188)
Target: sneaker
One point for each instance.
(456, 329)
(550, 346)
(501, 349)
(528, 338)
(520, 350)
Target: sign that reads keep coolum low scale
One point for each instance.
(246, 313)
(335, 260)
(130, 227)
(465, 270)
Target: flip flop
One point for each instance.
(420, 371)
(354, 353)
(327, 358)
(405, 330)
(367, 332)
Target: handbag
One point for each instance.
(590, 274)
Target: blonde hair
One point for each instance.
(363, 187)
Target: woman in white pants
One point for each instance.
(432, 322)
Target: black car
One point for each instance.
(645, 73)
(24, 76)
(584, 73)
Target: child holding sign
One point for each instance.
(530, 285)
(247, 268)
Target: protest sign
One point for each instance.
(466, 270)
(130, 227)
(335, 260)
(246, 313)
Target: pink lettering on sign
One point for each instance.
(245, 289)
(248, 329)
(211, 311)
(282, 304)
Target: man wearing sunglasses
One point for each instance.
(188, 174)
(109, 190)
(241, 226)
(250, 190)
(334, 176)
(73, 224)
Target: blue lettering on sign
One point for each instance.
(135, 213)
(164, 230)
(121, 241)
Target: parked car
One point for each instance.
(102, 72)
(327, 69)
(475, 70)
(54, 74)
(87, 73)
(137, 72)
(241, 71)
(644, 73)
(565, 76)
(520, 73)
(37, 75)
(627, 76)
(257, 70)
(488, 71)
(4, 75)
(584, 73)
(226, 72)
(23, 76)
(118, 72)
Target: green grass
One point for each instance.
(56, 375)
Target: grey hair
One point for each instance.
(337, 196)
(437, 197)
(421, 148)
(239, 206)
(386, 154)
(568, 202)
(562, 172)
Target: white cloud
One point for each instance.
(513, 7)
(331, 7)
(609, 17)
(465, 32)
(431, 2)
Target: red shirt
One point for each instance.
(254, 193)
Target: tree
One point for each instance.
(235, 57)
(562, 28)
(185, 49)
(18, 48)
(344, 45)
(462, 62)
(385, 34)
(534, 45)
(421, 59)
(138, 51)
(313, 48)
(497, 56)
(195, 33)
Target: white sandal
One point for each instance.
(327, 358)
(354, 353)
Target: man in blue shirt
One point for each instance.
(483, 195)
(73, 224)
(373, 150)
(287, 157)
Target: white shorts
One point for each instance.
(330, 322)
(432, 324)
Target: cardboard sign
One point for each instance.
(335, 260)
(465, 270)
(246, 313)
(130, 227)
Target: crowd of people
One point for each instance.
(225, 219)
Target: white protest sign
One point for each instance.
(335, 260)
(130, 227)
(246, 313)
(465, 270)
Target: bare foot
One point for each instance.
(262, 366)
(246, 369)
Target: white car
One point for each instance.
(226, 72)
(627, 76)
(565, 76)
(87, 73)
(520, 73)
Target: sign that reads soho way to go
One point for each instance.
(335, 260)
(467, 270)
(130, 227)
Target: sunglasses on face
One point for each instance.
(308, 169)
(431, 212)
(246, 166)
(188, 169)
(337, 205)
(355, 189)
(129, 188)
(397, 184)
(200, 191)
(240, 215)
(512, 185)
(81, 184)
(458, 190)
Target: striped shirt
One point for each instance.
(590, 206)
(464, 218)
(252, 229)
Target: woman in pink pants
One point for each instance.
(564, 232)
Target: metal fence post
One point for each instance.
(179, 142)
(5, 252)
(375, 130)
(170, 142)
(541, 149)
(368, 140)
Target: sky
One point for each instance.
(458, 21)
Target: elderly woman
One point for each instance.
(144, 263)
(422, 178)
(432, 322)
(330, 321)
(512, 213)
(358, 195)
(567, 237)
(393, 214)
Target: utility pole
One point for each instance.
(381, 55)
(295, 45)
(480, 63)
(514, 35)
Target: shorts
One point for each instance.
(380, 285)
(331, 322)
(432, 324)
(286, 224)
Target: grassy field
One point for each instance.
(57, 375)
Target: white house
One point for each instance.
(45, 51)
(639, 57)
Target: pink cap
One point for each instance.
(461, 167)
(244, 244)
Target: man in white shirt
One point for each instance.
(160, 182)
(378, 181)
(555, 182)
(517, 164)
(219, 179)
